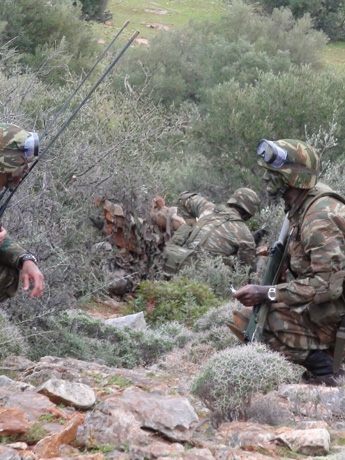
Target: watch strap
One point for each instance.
(24, 258)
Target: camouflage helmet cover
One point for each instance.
(246, 199)
(17, 147)
(299, 168)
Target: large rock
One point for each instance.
(136, 322)
(120, 419)
(73, 394)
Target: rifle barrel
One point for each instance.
(46, 131)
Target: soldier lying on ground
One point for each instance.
(17, 148)
(218, 230)
(307, 304)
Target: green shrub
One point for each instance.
(81, 336)
(212, 272)
(176, 331)
(326, 15)
(94, 9)
(35, 26)
(215, 316)
(302, 99)
(181, 300)
(152, 345)
(231, 377)
(218, 337)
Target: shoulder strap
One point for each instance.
(309, 202)
(321, 195)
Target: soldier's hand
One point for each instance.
(252, 294)
(259, 234)
(3, 233)
(31, 275)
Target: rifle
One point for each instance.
(271, 276)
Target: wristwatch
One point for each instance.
(271, 294)
(24, 258)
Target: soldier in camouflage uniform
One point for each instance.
(307, 305)
(17, 148)
(220, 230)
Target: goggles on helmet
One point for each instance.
(272, 154)
(31, 145)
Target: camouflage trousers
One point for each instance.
(292, 332)
(9, 282)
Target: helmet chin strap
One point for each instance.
(281, 191)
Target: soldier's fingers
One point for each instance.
(38, 286)
(25, 281)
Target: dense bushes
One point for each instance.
(327, 15)
(181, 65)
(181, 300)
(78, 335)
(50, 37)
(95, 9)
(290, 105)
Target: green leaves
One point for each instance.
(180, 300)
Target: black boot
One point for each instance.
(319, 367)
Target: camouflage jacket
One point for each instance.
(10, 251)
(316, 251)
(226, 232)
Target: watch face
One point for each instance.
(271, 294)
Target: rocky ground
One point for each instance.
(65, 408)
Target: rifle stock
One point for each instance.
(271, 276)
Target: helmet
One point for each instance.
(296, 161)
(246, 199)
(17, 147)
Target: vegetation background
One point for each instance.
(184, 112)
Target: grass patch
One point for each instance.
(148, 17)
(50, 418)
(334, 55)
(120, 381)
